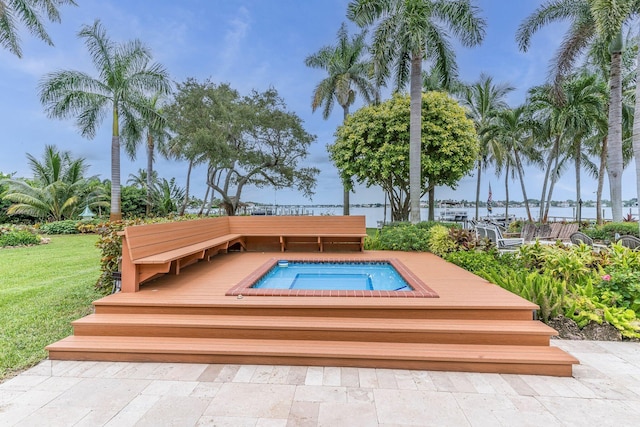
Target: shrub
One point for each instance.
(609, 230)
(439, 240)
(475, 261)
(18, 237)
(542, 289)
(60, 227)
(404, 237)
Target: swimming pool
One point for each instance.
(362, 275)
(333, 277)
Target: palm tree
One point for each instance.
(156, 136)
(591, 21)
(484, 100)
(58, 189)
(346, 69)
(409, 32)
(513, 129)
(28, 13)
(125, 75)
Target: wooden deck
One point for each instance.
(472, 326)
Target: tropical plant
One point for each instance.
(58, 189)
(408, 33)
(346, 70)
(441, 241)
(125, 76)
(373, 147)
(28, 14)
(600, 21)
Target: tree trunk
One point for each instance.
(432, 203)
(614, 151)
(204, 201)
(415, 141)
(524, 190)
(186, 191)
(345, 196)
(506, 189)
(601, 172)
(636, 135)
(149, 171)
(554, 179)
(477, 217)
(544, 185)
(578, 164)
(116, 212)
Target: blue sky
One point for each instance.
(252, 44)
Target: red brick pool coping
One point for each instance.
(420, 289)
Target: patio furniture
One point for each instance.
(578, 238)
(503, 244)
(631, 242)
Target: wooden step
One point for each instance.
(444, 331)
(535, 360)
(315, 309)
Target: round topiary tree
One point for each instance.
(372, 147)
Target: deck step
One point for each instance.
(353, 307)
(444, 331)
(536, 360)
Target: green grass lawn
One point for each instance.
(42, 289)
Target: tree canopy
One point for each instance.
(244, 140)
(373, 146)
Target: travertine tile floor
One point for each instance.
(604, 391)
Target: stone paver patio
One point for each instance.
(604, 391)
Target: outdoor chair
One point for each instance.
(578, 238)
(631, 242)
(502, 243)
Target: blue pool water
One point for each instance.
(379, 276)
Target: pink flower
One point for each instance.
(606, 277)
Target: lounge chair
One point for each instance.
(578, 238)
(631, 242)
(502, 243)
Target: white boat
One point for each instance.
(453, 215)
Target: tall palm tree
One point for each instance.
(484, 99)
(156, 136)
(125, 75)
(28, 13)
(513, 129)
(346, 70)
(591, 20)
(409, 32)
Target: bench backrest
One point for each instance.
(292, 225)
(150, 239)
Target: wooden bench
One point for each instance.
(151, 250)
(315, 233)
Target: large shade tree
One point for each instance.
(29, 14)
(591, 21)
(347, 71)
(407, 33)
(373, 146)
(250, 140)
(125, 75)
